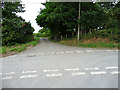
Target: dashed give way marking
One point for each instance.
(78, 73)
(7, 78)
(69, 51)
(34, 71)
(100, 72)
(54, 75)
(29, 76)
(115, 72)
(10, 73)
(89, 51)
(92, 68)
(109, 50)
(55, 70)
(78, 51)
(112, 67)
(75, 69)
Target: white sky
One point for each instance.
(32, 9)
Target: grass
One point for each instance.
(4, 50)
(91, 43)
(19, 47)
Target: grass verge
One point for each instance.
(11, 50)
(91, 43)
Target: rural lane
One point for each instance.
(50, 65)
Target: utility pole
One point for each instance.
(79, 24)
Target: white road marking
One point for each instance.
(52, 53)
(61, 52)
(6, 78)
(89, 51)
(29, 76)
(54, 75)
(42, 54)
(78, 73)
(100, 72)
(69, 51)
(95, 68)
(55, 70)
(34, 71)
(117, 50)
(78, 51)
(109, 50)
(115, 72)
(10, 73)
(111, 67)
(75, 69)
(32, 54)
(57, 53)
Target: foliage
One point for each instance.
(19, 47)
(42, 33)
(15, 29)
(90, 44)
(100, 19)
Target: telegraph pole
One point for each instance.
(79, 24)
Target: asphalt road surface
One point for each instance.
(50, 65)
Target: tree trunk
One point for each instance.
(66, 36)
(85, 32)
(90, 31)
(61, 37)
(78, 36)
(72, 34)
(55, 38)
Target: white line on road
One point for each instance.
(89, 51)
(115, 72)
(10, 73)
(100, 72)
(69, 51)
(29, 76)
(42, 54)
(95, 68)
(109, 50)
(78, 73)
(6, 78)
(54, 75)
(34, 71)
(55, 70)
(57, 53)
(52, 53)
(61, 52)
(111, 67)
(74, 69)
(78, 51)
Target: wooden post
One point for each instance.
(61, 37)
(90, 31)
(66, 36)
(79, 24)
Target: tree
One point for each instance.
(62, 18)
(15, 29)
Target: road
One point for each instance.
(50, 65)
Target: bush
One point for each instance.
(113, 34)
(16, 31)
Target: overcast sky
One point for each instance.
(32, 9)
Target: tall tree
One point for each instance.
(15, 29)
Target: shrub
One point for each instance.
(16, 31)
